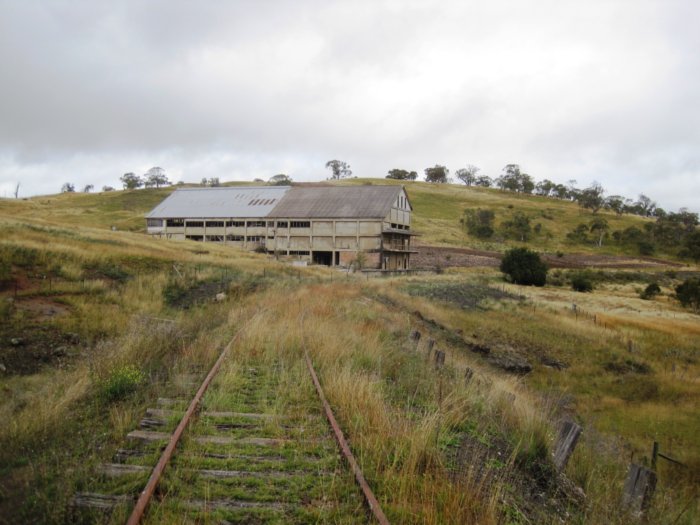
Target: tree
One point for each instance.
(601, 227)
(484, 181)
(615, 203)
(67, 187)
(213, 182)
(107, 188)
(398, 174)
(544, 188)
(651, 291)
(688, 293)
(645, 205)
(280, 180)
(467, 175)
(437, 174)
(339, 169)
(479, 223)
(88, 188)
(17, 191)
(523, 266)
(156, 177)
(518, 226)
(592, 197)
(131, 181)
(692, 246)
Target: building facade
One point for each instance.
(328, 225)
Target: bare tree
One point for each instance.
(467, 175)
(17, 191)
(88, 188)
(68, 187)
(156, 177)
(339, 169)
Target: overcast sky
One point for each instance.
(603, 90)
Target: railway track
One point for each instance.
(252, 445)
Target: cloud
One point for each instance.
(597, 91)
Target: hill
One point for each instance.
(438, 209)
(96, 325)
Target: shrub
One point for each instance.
(121, 382)
(479, 223)
(646, 248)
(581, 282)
(523, 266)
(651, 291)
(688, 293)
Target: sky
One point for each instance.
(600, 91)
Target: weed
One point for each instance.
(121, 382)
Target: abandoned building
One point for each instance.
(327, 225)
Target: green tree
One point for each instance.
(156, 177)
(131, 181)
(437, 174)
(517, 227)
(600, 227)
(339, 169)
(523, 266)
(592, 197)
(484, 181)
(692, 246)
(688, 293)
(479, 223)
(399, 174)
(467, 175)
(280, 180)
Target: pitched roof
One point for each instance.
(330, 202)
(237, 201)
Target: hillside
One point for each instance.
(99, 324)
(438, 209)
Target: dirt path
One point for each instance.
(429, 257)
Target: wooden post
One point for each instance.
(429, 344)
(468, 374)
(414, 338)
(566, 443)
(638, 490)
(439, 359)
(654, 455)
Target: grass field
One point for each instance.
(85, 349)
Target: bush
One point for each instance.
(581, 283)
(646, 248)
(651, 291)
(121, 382)
(523, 266)
(688, 293)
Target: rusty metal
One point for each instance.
(156, 474)
(372, 502)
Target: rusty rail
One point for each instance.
(157, 473)
(372, 502)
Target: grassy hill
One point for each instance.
(438, 209)
(96, 324)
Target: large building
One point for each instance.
(323, 224)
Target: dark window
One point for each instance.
(194, 237)
(235, 224)
(254, 238)
(215, 238)
(175, 223)
(298, 252)
(282, 224)
(301, 224)
(256, 224)
(195, 224)
(154, 222)
(270, 224)
(237, 238)
(215, 224)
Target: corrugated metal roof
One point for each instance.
(243, 201)
(337, 202)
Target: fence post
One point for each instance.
(414, 338)
(566, 443)
(639, 488)
(430, 343)
(439, 359)
(468, 374)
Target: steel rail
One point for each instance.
(145, 496)
(372, 502)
